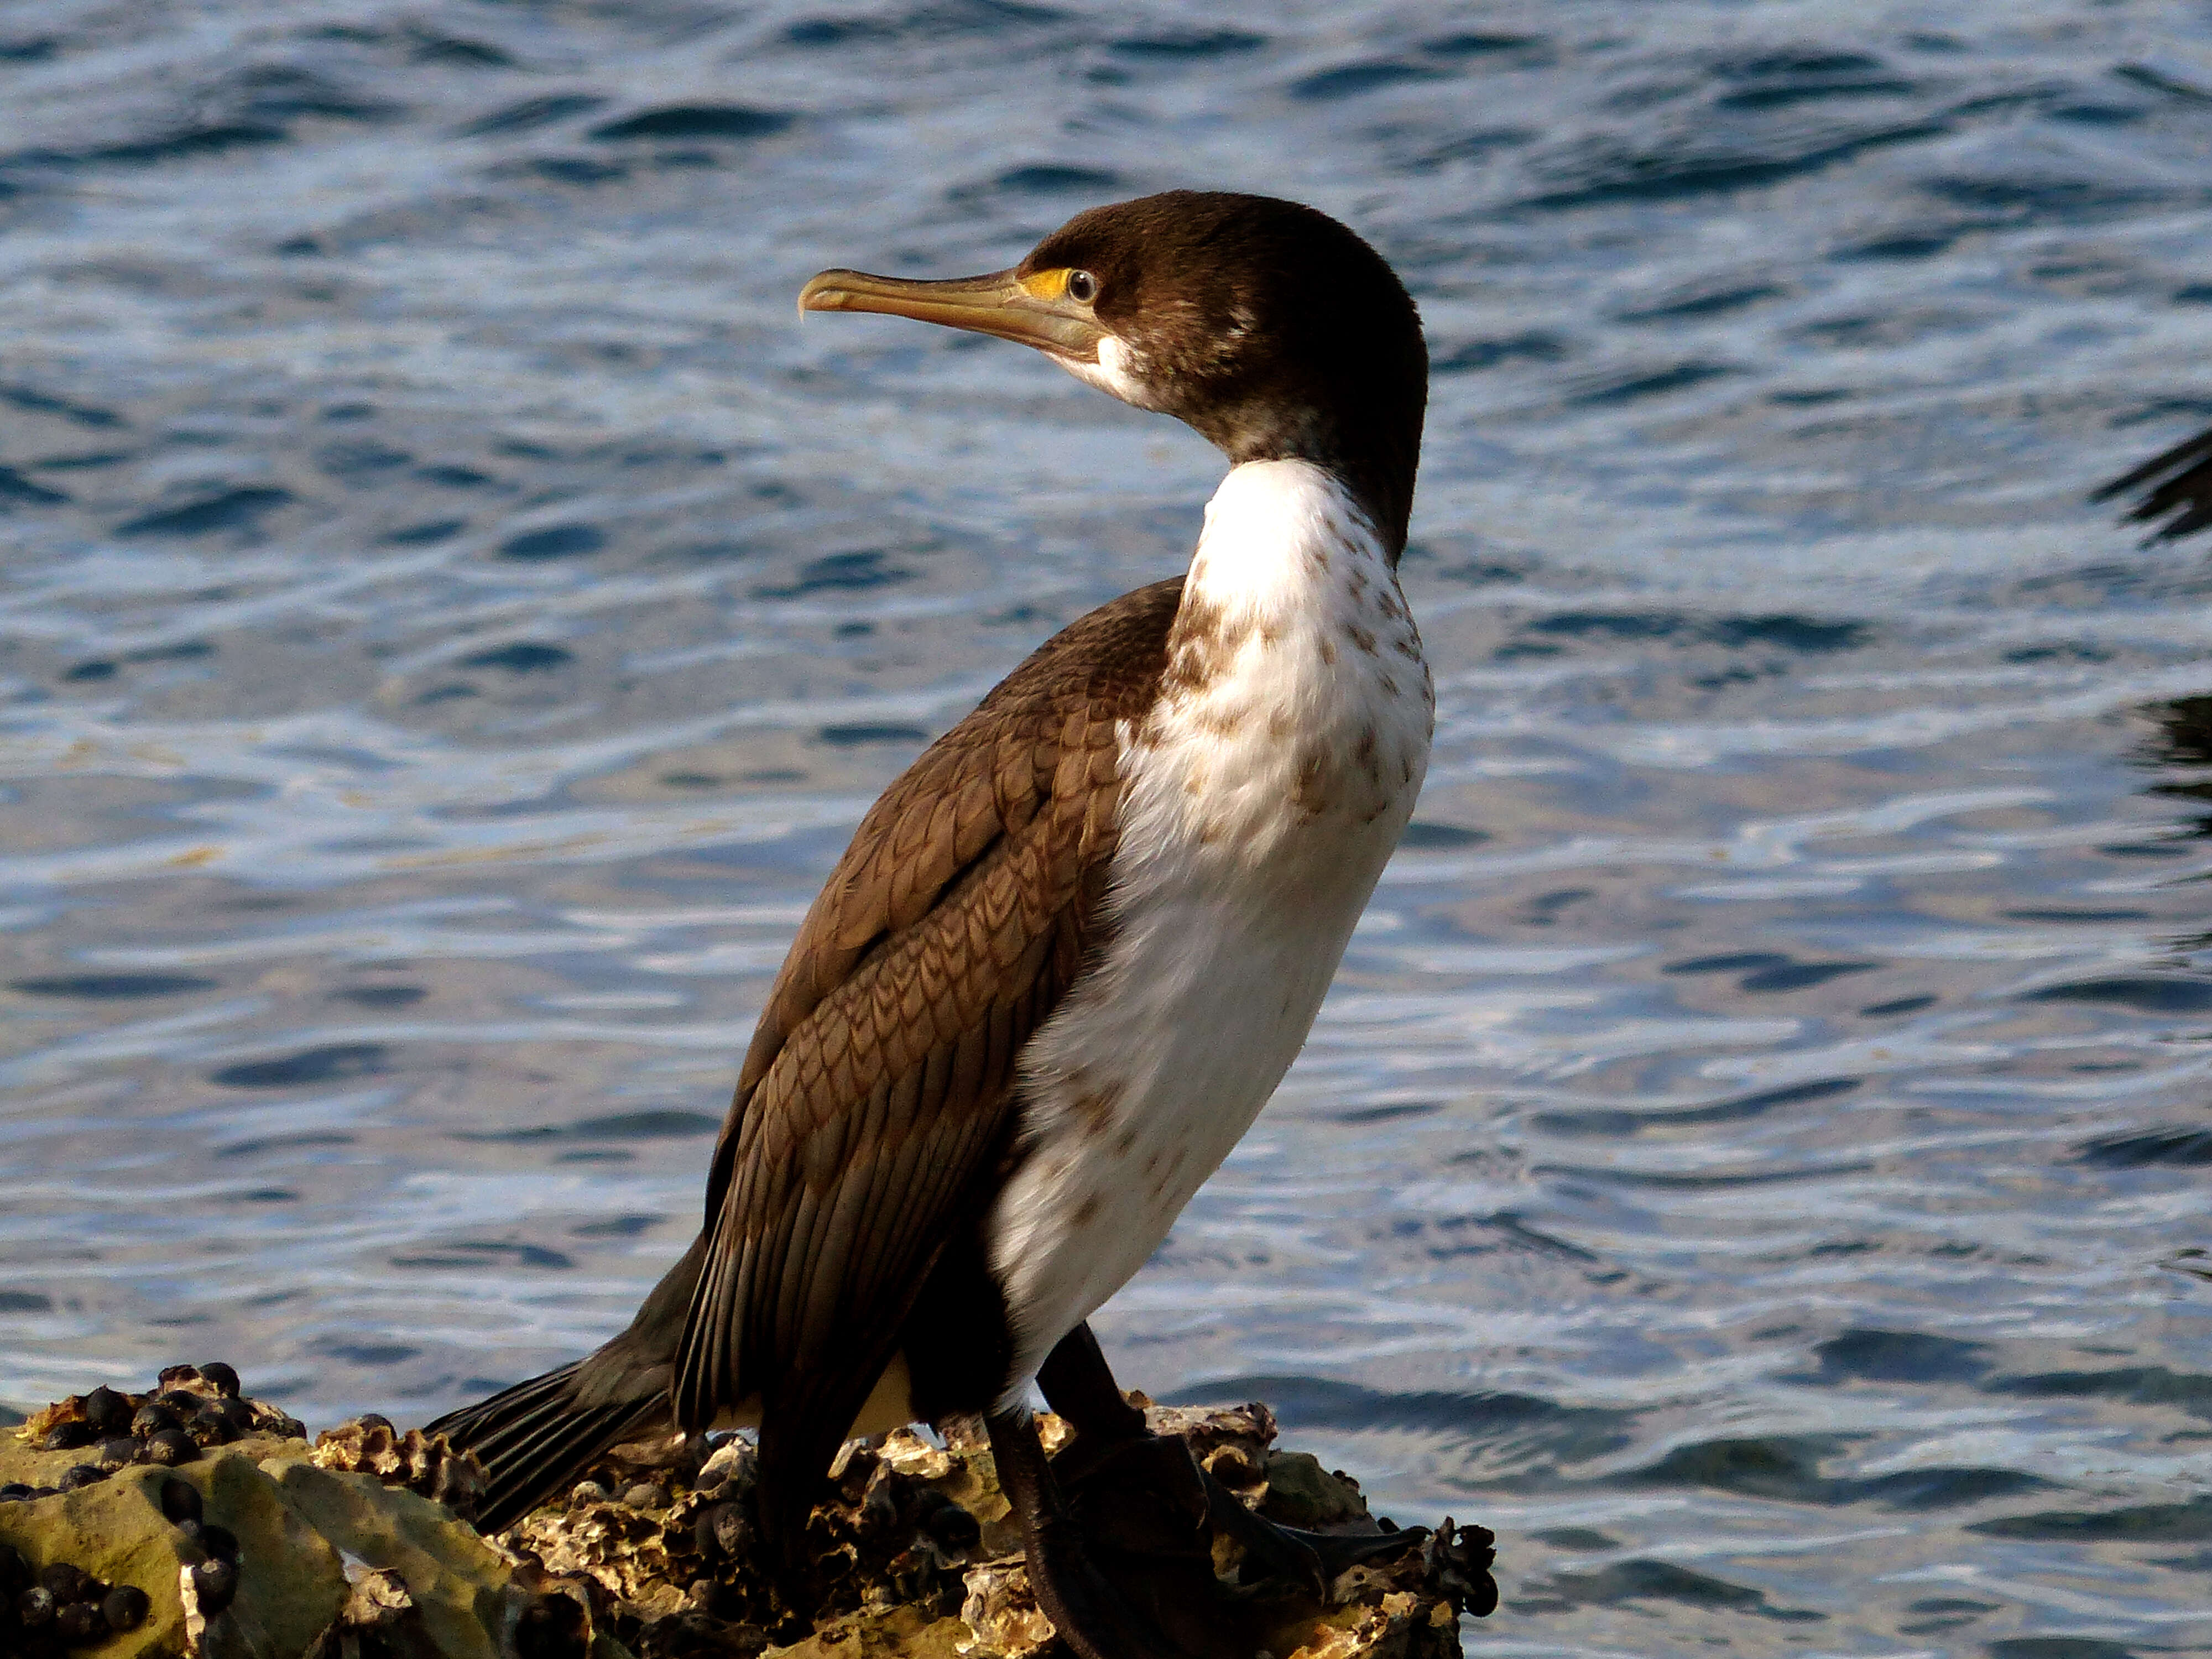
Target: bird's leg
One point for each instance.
(1111, 1435)
(1087, 1613)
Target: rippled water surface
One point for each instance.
(451, 614)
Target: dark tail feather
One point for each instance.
(537, 1438)
(2176, 482)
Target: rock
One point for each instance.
(456, 1582)
(422, 1465)
(1298, 1493)
(259, 1547)
(243, 1550)
(1001, 1611)
(913, 1550)
(379, 1621)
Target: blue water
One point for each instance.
(451, 612)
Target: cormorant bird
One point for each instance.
(2177, 486)
(1071, 950)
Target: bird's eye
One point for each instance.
(1082, 287)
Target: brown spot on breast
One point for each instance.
(1094, 1110)
(1360, 637)
(1086, 1212)
(1200, 644)
(1364, 751)
(1221, 718)
(1328, 655)
(1310, 792)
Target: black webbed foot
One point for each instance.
(1146, 1494)
(1290, 1555)
(1117, 1465)
(1126, 1580)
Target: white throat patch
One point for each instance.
(1261, 797)
(1114, 373)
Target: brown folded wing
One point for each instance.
(878, 1086)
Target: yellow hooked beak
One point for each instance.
(1036, 310)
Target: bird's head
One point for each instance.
(1267, 327)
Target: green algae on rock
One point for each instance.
(257, 1547)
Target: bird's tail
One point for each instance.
(537, 1437)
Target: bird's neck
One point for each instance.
(1370, 458)
(1280, 537)
(1294, 702)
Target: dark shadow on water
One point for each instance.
(15, 488)
(1717, 303)
(326, 1064)
(1791, 632)
(108, 986)
(522, 658)
(476, 1253)
(1351, 80)
(2138, 1385)
(1644, 1580)
(837, 572)
(424, 535)
(2141, 1523)
(2182, 1147)
(229, 509)
(34, 401)
(695, 121)
(1187, 44)
(1561, 1434)
(560, 541)
(1423, 836)
(2142, 993)
(857, 736)
(368, 1353)
(1735, 1109)
(306, 1141)
(1768, 971)
(942, 20)
(1786, 1468)
(620, 1226)
(380, 996)
(1043, 179)
(1603, 170)
(1879, 1355)
(662, 1125)
(532, 114)
(1472, 357)
(1635, 384)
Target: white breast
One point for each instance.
(1262, 796)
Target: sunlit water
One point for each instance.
(1755, 1155)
